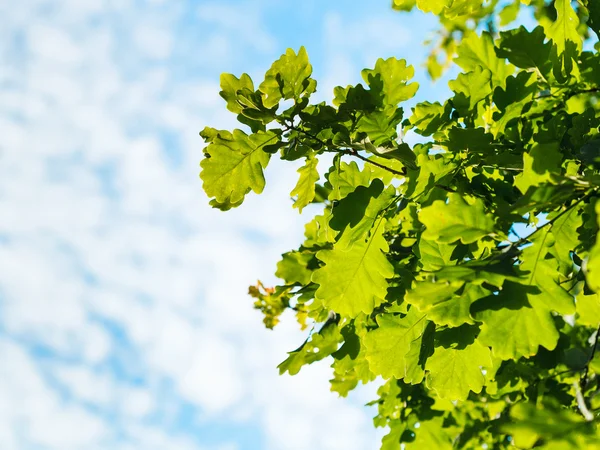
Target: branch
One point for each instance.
(370, 161)
(345, 151)
(571, 94)
(583, 91)
(562, 102)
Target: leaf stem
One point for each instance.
(516, 169)
(370, 161)
(345, 151)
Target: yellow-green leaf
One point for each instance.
(355, 280)
(456, 220)
(305, 188)
(234, 166)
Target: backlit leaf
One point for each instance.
(305, 188)
(355, 280)
(456, 220)
(388, 345)
(235, 166)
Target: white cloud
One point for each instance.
(122, 294)
(373, 37)
(351, 46)
(243, 21)
(53, 44)
(153, 42)
(33, 413)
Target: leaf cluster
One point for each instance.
(464, 270)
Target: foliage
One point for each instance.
(464, 271)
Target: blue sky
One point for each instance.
(124, 320)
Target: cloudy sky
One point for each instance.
(124, 319)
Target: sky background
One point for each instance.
(124, 319)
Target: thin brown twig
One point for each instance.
(584, 377)
(350, 152)
(370, 161)
(550, 222)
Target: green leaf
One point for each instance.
(390, 78)
(564, 29)
(542, 272)
(355, 215)
(526, 49)
(380, 126)
(519, 90)
(446, 302)
(432, 169)
(404, 5)
(355, 280)
(349, 364)
(539, 164)
(518, 320)
(469, 139)
(392, 440)
(399, 152)
(320, 345)
(456, 220)
(288, 78)
(509, 13)
(588, 309)
(478, 51)
(433, 6)
(434, 255)
(565, 35)
(407, 264)
(429, 118)
(459, 8)
(305, 188)
(431, 434)
(594, 16)
(346, 177)
(479, 272)
(471, 88)
(455, 368)
(230, 85)
(388, 345)
(592, 272)
(564, 231)
(513, 101)
(518, 324)
(420, 349)
(357, 98)
(530, 423)
(293, 267)
(318, 233)
(234, 166)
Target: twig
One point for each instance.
(584, 378)
(444, 188)
(568, 95)
(370, 161)
(583, 91)
(345, 151)
(562, 102)
(585, 412)
(516, 169)
(550, 222)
